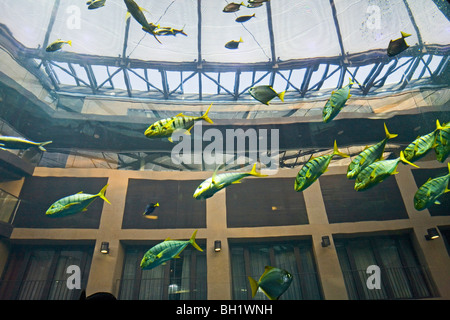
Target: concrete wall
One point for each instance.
(106, 269)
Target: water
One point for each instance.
(95, 99)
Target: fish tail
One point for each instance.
(157, 204)
(101, 194)
(69, 42)
(404, 34)
(281, 95)
(389, 135)
(256, 174)
(336, 151)
(350, 81)
(41, 145)
(254, 285)
(240, 39)
(205, 116)
(194, 244)
(403, 159)
(438, 125)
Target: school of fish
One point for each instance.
(368, 168)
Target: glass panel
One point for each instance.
(171, 281)
(8, 204)
(36, 277)
(59, 290)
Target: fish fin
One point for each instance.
(127, 16)
(70, 204)
(85, 209)
(266, 270)
(194, 244)
(79, 192)
(168, 239)
(180, 115)
(336, 151)
(333, 92)
(237, 181)
(253, 285)
(205, 116)
(281, 95)
(350, 82)
(437, 202)
(389, 135)
(170, 139)
(405, 35)
(41, 145)
(403, 159)
(256, 174)
(308, 173)
(349, 95)
(188, 131)
(213, 178)
(101, 194)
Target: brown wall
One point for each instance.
(106, 269)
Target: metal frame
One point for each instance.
(48, 66)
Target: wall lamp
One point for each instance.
(217, 245)
(104, 248)
(432, 234)
(326, 241)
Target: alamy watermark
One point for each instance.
(374, 280)
(74, 280)
(215, 147)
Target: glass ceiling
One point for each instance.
(305, 47)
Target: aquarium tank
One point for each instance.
(219, 150)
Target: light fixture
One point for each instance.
(217, 245)
(432, 234)
(104, 248)
(325, 241)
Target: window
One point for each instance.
(8, 205)
(179, 279)
(41, 273)
(401, 275)
(294, 256)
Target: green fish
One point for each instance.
(233, 44)
(20, 143)
(166, 127)
(95, 4)
(442, 145)
(265, 93)
(74, 203)
(397, 46)
(244, 18)
(273, 282)
(314, 168)
(422, 145)
(233, 7)
(378, 172)
(168, 31)
(336, 102)
(431, 190)
(368, 156)
(138, 14)
(219, 181)
(57, 45)
(165, 251)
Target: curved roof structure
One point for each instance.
(303, 47)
